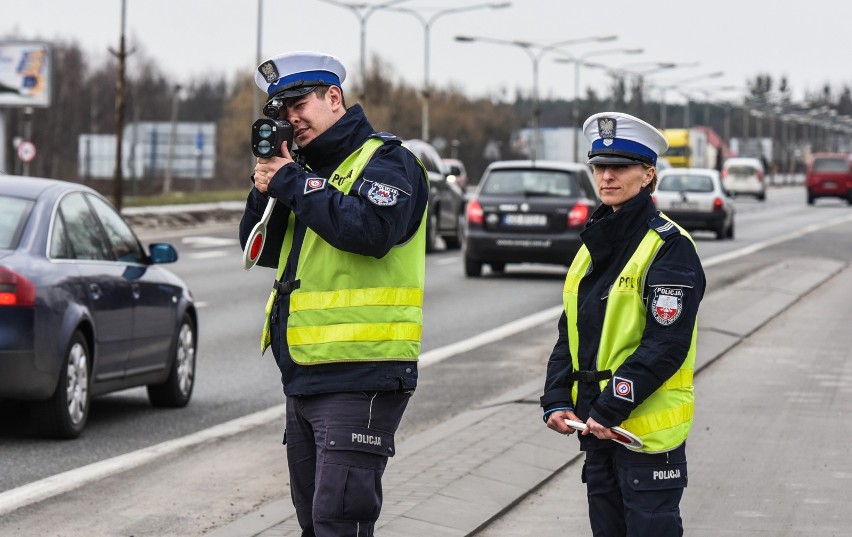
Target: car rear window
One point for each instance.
(531, 183)
(686, 183)
(741, 170)
(830, 165)
(13, 216)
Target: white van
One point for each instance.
(744, 175)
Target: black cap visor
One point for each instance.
(612, 158)
(298, 88)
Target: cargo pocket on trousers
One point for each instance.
(349, 486)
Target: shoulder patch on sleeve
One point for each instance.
(382, 195)
(663, 226)
(314, 184)
(667, 304)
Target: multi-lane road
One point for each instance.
(460, 314)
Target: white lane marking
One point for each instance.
(205, 241)
(756, 247)
(446, 260)
(72, 479)
(495, 334)
(211, 254)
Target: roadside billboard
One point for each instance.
(25, 73)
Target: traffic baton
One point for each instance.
(622, 436)
(257, 238)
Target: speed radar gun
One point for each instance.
(267, 136)
(622, 436)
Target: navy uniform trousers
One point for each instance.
(634, 494)
(338, 445)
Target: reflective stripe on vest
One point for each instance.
(664, 419)
(351, 307)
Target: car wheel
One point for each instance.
(721, 230)
(810, 198)
(64, 415)
(761, 196)
(497, 267)
(849, 198)
(456, 241)
(431, 230)
(472, 267)
(730, 233)
(177, 389)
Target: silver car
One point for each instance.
(696, 200)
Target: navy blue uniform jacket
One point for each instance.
(611, 238)
(348, 222)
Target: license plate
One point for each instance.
(684, 205)
(829, 184)
(525, 219)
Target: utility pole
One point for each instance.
(118, 178)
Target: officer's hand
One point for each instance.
(556, 421)
(595, 428)
(266, 168)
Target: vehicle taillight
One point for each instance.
(717, 205)
(654, 200)
(724, 172)
(759, 175)
(474, 212)
(15, 290)
(578, 215)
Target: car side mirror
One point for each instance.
(163, 253)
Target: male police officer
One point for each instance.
(345, 315)
(627, 339)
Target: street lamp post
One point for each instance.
(675, 85)
(363, 12)
(427, 25)
(535, 52)
(167, 180)
(575, 109)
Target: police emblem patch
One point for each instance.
(269, 71)
(622, 388)
(606, 129)
(314, 184)
(667, 305)
(383, 195)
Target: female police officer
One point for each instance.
(626, 346)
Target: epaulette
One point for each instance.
(386, 137)
(663, 226)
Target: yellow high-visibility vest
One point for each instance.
(664, 419)
(351, 307)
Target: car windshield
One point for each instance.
(830, 165)
(13, 215)
(531, 183)
(685, 183)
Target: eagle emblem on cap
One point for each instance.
(269, 71)
(606, 129)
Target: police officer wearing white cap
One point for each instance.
(347, 237)
(625, 352)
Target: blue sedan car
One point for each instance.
(84, 310)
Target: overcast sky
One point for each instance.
(809, 44)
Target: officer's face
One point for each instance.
(618, 184)
(312, 114)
